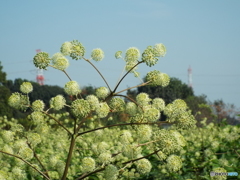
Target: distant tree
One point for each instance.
(4, 95)
(200, 108)
(225, 112)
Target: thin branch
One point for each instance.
(133, 160)
(88, 174)
(143, 84)
(59, 123)
(124, 124)
(127, 98)
(26, 163)
(62, 71)
(98, 72)
(126, 75)
(36, 156)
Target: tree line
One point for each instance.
(217, 111)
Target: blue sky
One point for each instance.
(203, 34)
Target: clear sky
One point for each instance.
(202, 34)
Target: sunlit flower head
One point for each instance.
(26, 87)
(97, 54)
(72, 88)
(41, 60)
(59, 61)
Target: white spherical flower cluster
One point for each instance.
(111, 172)
(59, 61)
(174, 163)
(97, 54)
(180, 139)
(158, 103)
(26, 153)
(102, 92)
(105, 158)
(117, 104)
(168, 142)
(88, 164)
(118, 54)
(66, 48)
(93, 101)
(38, 105)
(102, 110)
(7, 136)
(18, 173)
(18, 101)
(57, 102)
(132, 54)
(72, 88)
(34, 139)
(144, 132)
(131, 151)
(77, 50)
(144, 166)
(41, 60)
(130, 66)
(160, 50)
(149, 56)
(157, 78)
(26, 87)
(102, 147)
(37, 117)
(131, 108)
(125, 137)
(80, 107)
(161, 156)
(143, 99)
(151, 114)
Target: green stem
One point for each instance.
(143, 84)
(98, 72)
(60, 124)
(126, 75)
(70, 152)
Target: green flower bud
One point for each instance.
(152, 114)
(93, 101)
(102, 110)
(143, 166)
(105, 158)
(158, 103)
(37, 117)
(41, 60)
(57, 102)
(130, 65)
(132, 55)
(97, 54)
(26, 87)
(34, 139)
(26, 153)
(118, 54)
(77, 50)
(174, 163)
(80, 107)
(143, 99)
(117, 104)
(88, 164)
(38, 105)
(111, 172)
(66, 48)
(18, 101)
(7, 136)
(149, 56)
(160, 50)
(72, 88)
(131, 108)
(157, 78)
(102, 92)
(59, 61)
